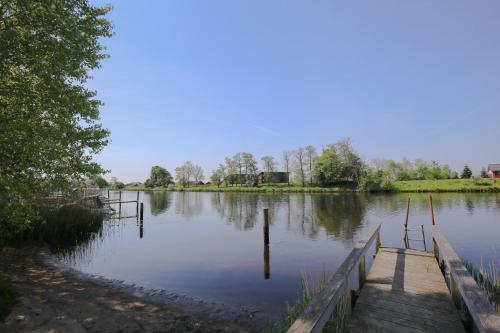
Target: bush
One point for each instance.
(374, 180)
(7, 297)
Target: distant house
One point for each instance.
(135, 184)
(194, 182)
(494, 170)
(273, 177)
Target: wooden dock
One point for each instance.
(406, 291)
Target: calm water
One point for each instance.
(210, 245)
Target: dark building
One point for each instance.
(273, 177)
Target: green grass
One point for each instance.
(7, 297)
(442, 185)
(448, 185)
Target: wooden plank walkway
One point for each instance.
(404, 292)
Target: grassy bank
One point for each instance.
(7, 297)
(448, 185)
(442, 185)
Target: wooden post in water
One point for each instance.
(141, 226)
(142, 212)
(137, 205)
(407, 212)
(266, 226)
(431, 208)
(108, 194)
(267, 265)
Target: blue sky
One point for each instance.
(201, 80)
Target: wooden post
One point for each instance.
(377, 244)
(142, 212)
(423, 237)
(108, 194)
(266, 226)
(137, 205)
(407, 213)
(141, 229)
(362, 271)
(267, 264)
(431, 208)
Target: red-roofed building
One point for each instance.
(494, 170)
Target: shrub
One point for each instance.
(374, 180)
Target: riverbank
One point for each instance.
(441, 185)
(50, 300)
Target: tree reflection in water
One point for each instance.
(159, 201)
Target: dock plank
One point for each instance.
(404, 292)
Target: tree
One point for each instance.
(218, 175)
(158, 176)
(286, 163)
(250, 165)
(100, 181)
(269, 164)
(299, 164)
(183, 173)
(238, 164)
(484, 173)
(466, 172)
(198, 173)
(329, 166)
(352, 165)
(49, 120)
(231, 171)
(310, 157)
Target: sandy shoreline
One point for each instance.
(56, 299)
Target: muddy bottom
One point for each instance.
(51, 300)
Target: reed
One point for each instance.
(488, 280)
(309, 288)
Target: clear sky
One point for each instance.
(201, 80)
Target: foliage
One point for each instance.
(49, 120)
(484, 173)
(7, 297)
(100, 181)
(186, 172)
(417, 170)
(218, 175)
(269, 164)
(339, 163)
(374, 180)
(466, 172)
(158, 176)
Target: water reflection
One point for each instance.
(213, 245)
(159, 201)
(189, 204)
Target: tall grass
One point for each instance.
(309, 288)
(488, 280)
(61, 228)
(7, 297)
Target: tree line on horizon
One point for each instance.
(337, 164)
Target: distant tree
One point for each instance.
(310, 157)
(287, 156)
(198, 173)
(230, 171)
(158, 176)
(250, 165)
(328, 166)
(119, 185)
(238, 164)
(269, 164)
(184, 173)
(300, 164)
(466, 172)
(100, 181)
(484, 173)
(352, 165)
(218, 175)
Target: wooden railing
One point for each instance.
(477, 311)
(347, 280)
